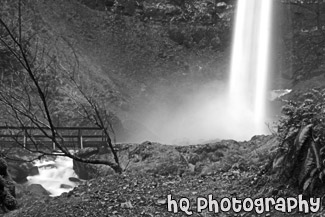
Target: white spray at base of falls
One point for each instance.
(52, 174)
(250, 63)
(219, 109)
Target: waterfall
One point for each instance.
(250, 63)
(218, 109)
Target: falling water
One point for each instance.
(210, 112)
(250, 63)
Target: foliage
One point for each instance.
(301, 154)
(31, 95)
(308, 108)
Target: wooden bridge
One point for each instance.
(73, 137)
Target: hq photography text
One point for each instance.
(259, 205)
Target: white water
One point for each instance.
(277, 94)
(218, 109)
(53, 174)
(250, 64)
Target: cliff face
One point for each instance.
(139, 56)
(134, 49)
(301, 44)
(133, 55)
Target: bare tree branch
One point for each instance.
(24, 106)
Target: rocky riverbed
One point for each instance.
(153, 171)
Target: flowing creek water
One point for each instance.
(54, 175)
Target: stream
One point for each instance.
(54, 175)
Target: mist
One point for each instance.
(202, 114)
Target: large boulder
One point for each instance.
(37, 190)
(89, 171)
(65, 186)
(20, 165)
(146, 157)
(158, 159)
(7, 188)
(20, 170)
(33, 171)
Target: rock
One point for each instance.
(74, 179)
(158, 159)
(10, 201)
(65, 186)
(88, 171)
(7, 188)
(48, 166)
(8, 183)
(19, 190)
(19, 170)
(33, 171)
(18, 174)
(126, 205)
(177, 35)
(129, 7)
(5, 178)
(37, 190)
(161, 201)
(191, 168)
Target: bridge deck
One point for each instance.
(73, 137)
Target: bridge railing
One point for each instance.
(79, 137)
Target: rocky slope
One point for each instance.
(223, 169)
(139, 57)
(132, 56)
(135, 56)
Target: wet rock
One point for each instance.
(74, 179)
(48, 166)
(37, 190)
(33, 171)
(65, 186)
(19, 171)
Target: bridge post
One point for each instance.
(81, 142)
(25, 139)
(80, 139)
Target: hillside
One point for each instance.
(226, 169)
(135, 58)
(154, 59)
(156, 64)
